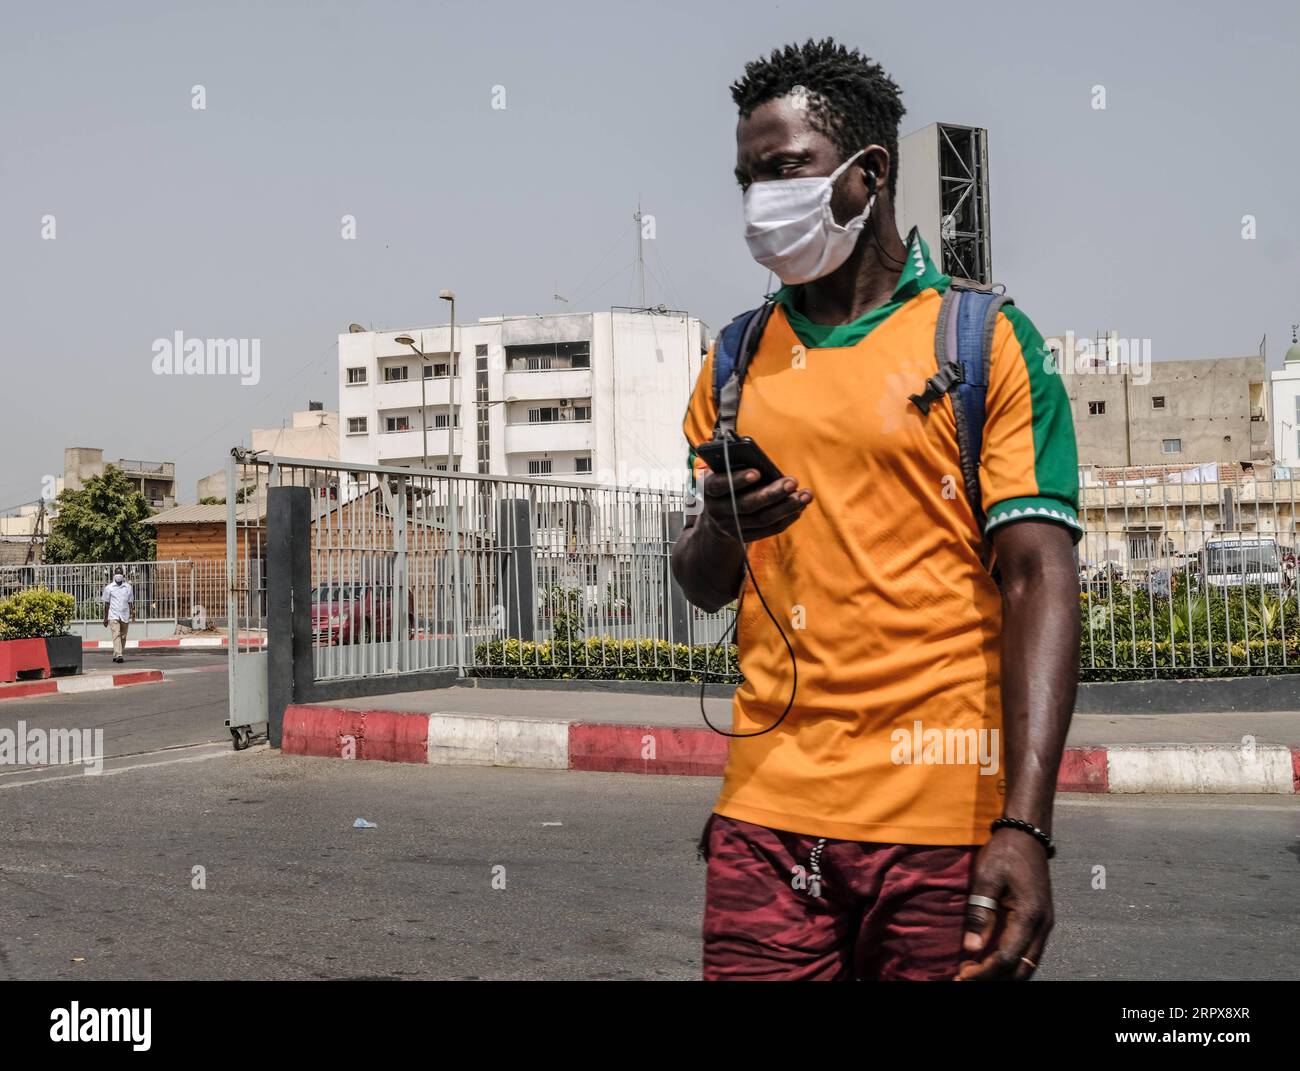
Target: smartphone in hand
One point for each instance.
(743, 453)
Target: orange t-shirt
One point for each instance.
(895, 733)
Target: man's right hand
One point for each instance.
(763, 509)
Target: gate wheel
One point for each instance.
(243, 736)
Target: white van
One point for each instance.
(1234, 561)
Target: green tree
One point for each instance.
(240, 496)
(101, 523)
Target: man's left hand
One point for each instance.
(1011, 869)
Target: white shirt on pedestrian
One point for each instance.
(118, 598)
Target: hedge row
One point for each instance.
(1163, 660)
(607, 660)
(658, 660)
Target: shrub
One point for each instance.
(35, 613)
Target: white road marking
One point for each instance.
(1217, 801)
(211, 751)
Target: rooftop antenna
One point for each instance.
(640, 258)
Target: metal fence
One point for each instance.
(1188, 570)
(173, 595)
(415, 571)
(1183, 571)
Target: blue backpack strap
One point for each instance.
(963, 344)
(731, 355)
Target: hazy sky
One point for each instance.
(226, 222)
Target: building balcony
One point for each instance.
(154, 470)
(551, 437)
(403, 445)
(548, 385)
(406, 394)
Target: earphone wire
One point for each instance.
(885, 258)
(735, 621)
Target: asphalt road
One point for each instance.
(598, 873)
(187, 708)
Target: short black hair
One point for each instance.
(850, 97)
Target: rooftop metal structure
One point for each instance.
(964, 202)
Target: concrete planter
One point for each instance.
(64, 654)
(41, 656)
(23, 656)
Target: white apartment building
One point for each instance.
(1286, 409)
(591, 396)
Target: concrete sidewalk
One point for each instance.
(94, 680)
(574, 728)
(577, 705)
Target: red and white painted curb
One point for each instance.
(449, 739)
(180, 641)
(90, 682)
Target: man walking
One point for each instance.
(119, 602)
(886, 813)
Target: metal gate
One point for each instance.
(247, 483)
(388, 550)
(417, 572)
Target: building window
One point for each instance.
(428, 371)
(356, 376)
(1096, 408)
(1171, 446)
(397, 423)
(539, 466)
(395, 374)
(582, 464)
(548, 414)
(582, 412)
(1143, 543)
(480, 349)
(483, 446)
(356, 425)
(542, 357)
(440, 420)
(1157, 401)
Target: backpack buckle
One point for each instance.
(939, 384)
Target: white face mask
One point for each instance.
(118, 578)
(790, 228)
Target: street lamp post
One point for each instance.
(453, 371)
(407, 340)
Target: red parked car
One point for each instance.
(355, 613)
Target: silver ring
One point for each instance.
(982, 901)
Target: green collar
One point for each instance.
(918, 274)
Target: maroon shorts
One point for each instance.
(789, 907)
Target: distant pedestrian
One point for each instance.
(119, 603)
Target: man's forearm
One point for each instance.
(1040, 658)
(708, 565)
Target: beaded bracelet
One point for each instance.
(1026, 827)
